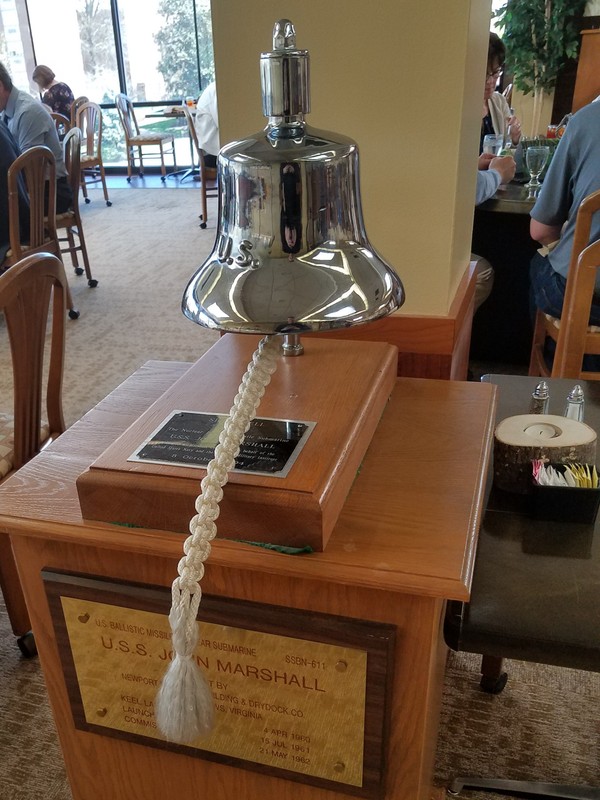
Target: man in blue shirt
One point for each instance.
(8, 153)
(573, 174)
(30, 123)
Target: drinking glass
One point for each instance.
(493, 143)
(535, 158)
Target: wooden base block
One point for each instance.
(342, 386)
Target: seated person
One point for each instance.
(31, 124)
(8, 153)
(491, 172)
(573, 174)
(497, 115)
(207, 125)
(57, 96)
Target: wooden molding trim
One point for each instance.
(428, 346)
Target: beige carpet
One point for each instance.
(142, 251)
(546, 724)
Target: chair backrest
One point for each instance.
(89, 121)
(37, 168)
(127, 115)
(72, 156)
(25, 293)
(75, 105)
(194, 138)
(63, 124)
(579, 292)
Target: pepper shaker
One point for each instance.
(540, 399)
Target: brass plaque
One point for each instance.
(283, 700)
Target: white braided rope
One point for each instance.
(184, 706)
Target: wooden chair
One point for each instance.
(75, 106)
(37, 168)
(63, 124)
(70, 221)
(133, 138)
(89, 121)
(213, 190)
(27, 290)
(571, 333)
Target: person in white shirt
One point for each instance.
(207, 124)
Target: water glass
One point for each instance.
(493, 143)
(535, 158)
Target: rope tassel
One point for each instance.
(184, 704)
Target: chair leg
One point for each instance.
(129, 157)
(163, 170)
(92, 282)
(73, 312)
(204, 203)
(11, 589)
(141, 162)
(103, 177)
(73, 251)
(537, 364)
(528, 788)
(84, 187)
(493, 679)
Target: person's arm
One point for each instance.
(483, 162)
(500, 170)
(513, 124)
(488, 182)
(551, 209)
(544, 234)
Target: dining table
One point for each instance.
(502, 327)
(176, 113)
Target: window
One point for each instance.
(168, 48)
(157, 52)
(78, 45)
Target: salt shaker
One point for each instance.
(575, 403)
(540, 398)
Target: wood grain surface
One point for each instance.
(342, 386)
(404, 542)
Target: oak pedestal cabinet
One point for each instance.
(404, 543)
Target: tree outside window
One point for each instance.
(176, 41)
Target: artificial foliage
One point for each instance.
(540, 36)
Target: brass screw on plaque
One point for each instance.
(101, 712)
(339, 766)
(341, 666)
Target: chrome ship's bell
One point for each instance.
(291, 253)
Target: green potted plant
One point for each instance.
(540, 36)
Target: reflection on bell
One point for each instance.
(291, 252)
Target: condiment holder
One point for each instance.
(565, 503)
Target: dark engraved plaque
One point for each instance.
(188, 438)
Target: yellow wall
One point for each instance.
(523, 105)
(404, 78)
